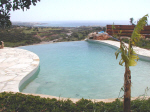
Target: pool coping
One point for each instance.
(18, 65)
(142, 53)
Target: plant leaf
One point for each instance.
(132, 62)
(121, 62)
(136, 33)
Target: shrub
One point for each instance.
(10, 102)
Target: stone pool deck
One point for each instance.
(144, 53)
(18, 65)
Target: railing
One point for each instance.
(127, 30)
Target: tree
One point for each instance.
(130, 58)
(7, 5)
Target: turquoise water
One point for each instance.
(83, 69)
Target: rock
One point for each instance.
(102, 36)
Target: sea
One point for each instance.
(80, 23)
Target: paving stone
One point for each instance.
(2, 59)
(15, 64)
(20, 66)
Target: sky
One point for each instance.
(93, 10)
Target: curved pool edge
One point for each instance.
(16, 67)
(110, 43)
(14, 81)
(19, 65)
(74, 100)
(143, 53)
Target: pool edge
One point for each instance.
(27, 76)
(107, 42)
(143, 53)
(17, 66)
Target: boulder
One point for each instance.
(102, 36)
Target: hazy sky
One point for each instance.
(50, 10)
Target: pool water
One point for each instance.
(84, 69)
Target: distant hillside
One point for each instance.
(31, 24)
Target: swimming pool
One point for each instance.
(83, 70)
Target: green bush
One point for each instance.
(15, 37)
(18, 102)
(143, 43)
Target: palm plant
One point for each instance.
(130, 58)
